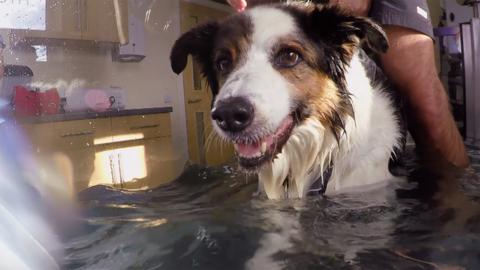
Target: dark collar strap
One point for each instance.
(320, 185)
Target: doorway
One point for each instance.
(204, 146)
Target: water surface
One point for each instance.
(212, 218)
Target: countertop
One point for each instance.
(70, 116)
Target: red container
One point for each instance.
(34, 103)
(25, 102)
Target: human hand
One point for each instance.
(238, 5)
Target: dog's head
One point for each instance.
(274, 66)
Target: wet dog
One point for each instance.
(293, 93)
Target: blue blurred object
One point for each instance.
(27, 240)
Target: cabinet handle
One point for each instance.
(78, 16)
(120, 172)
(112, 170)
(77, 134)
(193, 101)
(119, 21)
(144, 127)
(84, 16)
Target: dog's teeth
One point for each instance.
(264, 147)
(235, 146)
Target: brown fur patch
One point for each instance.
(314, 90)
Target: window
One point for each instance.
(22, 14)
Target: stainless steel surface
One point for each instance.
(471, 61)
(475, 75)
(468, 71)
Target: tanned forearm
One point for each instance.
(409, 64)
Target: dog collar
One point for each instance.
(320, 185)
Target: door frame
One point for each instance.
(180, 79)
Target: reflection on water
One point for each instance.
(213, 219)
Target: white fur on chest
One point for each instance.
(359, 160)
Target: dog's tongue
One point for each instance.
(259, 148)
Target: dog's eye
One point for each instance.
(287, 58)
(223, 64)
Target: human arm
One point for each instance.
(355, 7)
(410, 65)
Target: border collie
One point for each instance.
(293, 93)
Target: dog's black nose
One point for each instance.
(233, 114)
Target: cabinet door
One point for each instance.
(63, 21)
(105, 166)
(82, 133)
(163, 162)
(105, 20)
(121, 165)
(83, 165)
(129, 128)
(70, 157)
(40, 138)
(141, 164)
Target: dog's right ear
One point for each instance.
(199, 43)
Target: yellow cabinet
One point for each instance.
(118, 164)
(131, 152)
(140, 155)
(39, 137)
(94, 20)
(68, 146)
(162, 161)
(81, 133)
(62, 21)
(140, 127)
(83, 166)
(105, 20)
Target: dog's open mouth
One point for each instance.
(252, 155)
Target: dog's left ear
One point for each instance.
(197, 42)
(369, 33)
(337, 28)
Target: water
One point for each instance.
(214, 219)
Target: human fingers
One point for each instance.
(238, 5)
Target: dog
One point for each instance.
(293, 93)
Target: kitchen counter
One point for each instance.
(70, 116)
